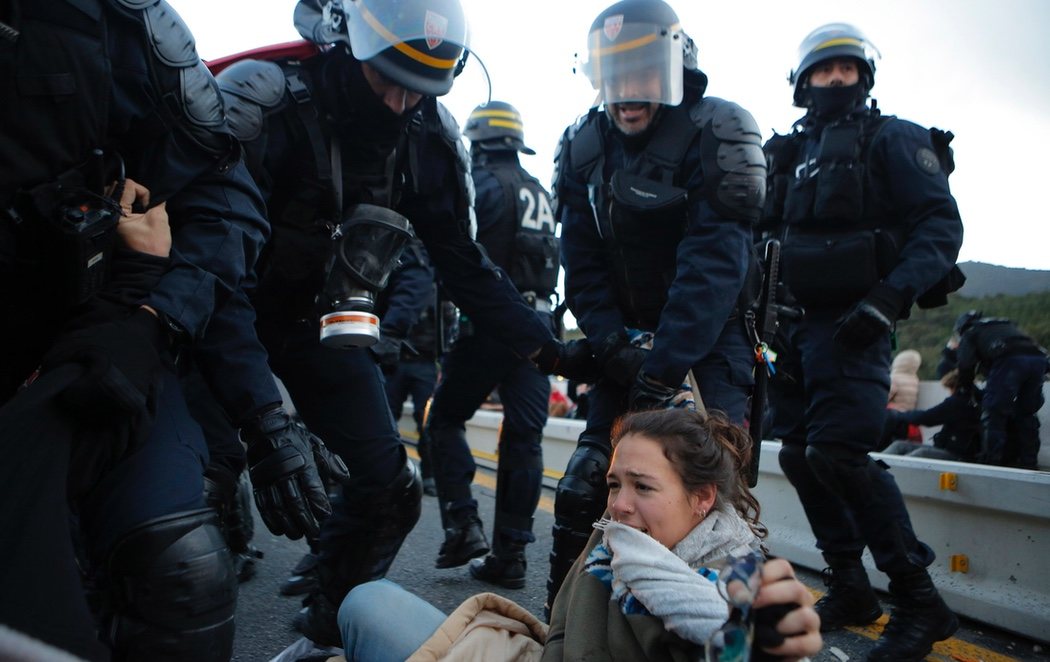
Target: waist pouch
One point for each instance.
(827, 269)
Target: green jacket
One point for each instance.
(599, 632)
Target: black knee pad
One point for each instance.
(580, 500)
(793, 462)
(174, 591)
(582, 491)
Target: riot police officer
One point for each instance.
(101, 92)
(1014, 367)
(657, 190)
(860, 202)
(353, 152)
(516, 227)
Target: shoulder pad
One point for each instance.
(250, 87)
(451, 136)
(171, 40)
(728, 120)
(585, 143)
(137, 4)
(732, 159)
(200, 96)
(449, 125)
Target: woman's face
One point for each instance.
(646, 493)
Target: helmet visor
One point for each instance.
(635, 62)
(437, 36)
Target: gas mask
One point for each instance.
(367, 246)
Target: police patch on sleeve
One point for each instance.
(927, 161)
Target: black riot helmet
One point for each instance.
(965, 321)
(828, 42)
(419, 44)
(635, 40)
(496, 126)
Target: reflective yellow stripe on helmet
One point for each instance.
(840, 41)
(507, 124)
(396, 42)
(496, 113)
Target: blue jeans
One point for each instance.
(382, 622)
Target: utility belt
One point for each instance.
(826, 268)
(65, 229)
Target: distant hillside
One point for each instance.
(983, 280)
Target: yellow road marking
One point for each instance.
(485, 480)
(951, 650)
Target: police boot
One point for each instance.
(372, 525)
(850, 599)
(464, 539)
(919, 619)
(317, 620)
(304, 575)
(505, 566)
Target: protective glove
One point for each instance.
(387, 351)
(872, 318)
(124, 361)
(572, 360)
(288, 467)
(647, 393)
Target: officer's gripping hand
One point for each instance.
(647, 393)
(123, 362)
(387, 351)
(288, 467)
(871, 319)
(572, 360)
(620, 360)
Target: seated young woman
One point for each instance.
(645, 588)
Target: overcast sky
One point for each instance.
(975, 67)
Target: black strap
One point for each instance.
(311, 123)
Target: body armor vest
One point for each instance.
(832, 224)
(53, 114)
(641, 212)
(310, 198)
(62, 138)
(523, 242)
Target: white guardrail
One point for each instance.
(989, 526)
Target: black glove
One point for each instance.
(872, 318)
(387, 351)
(620, 360)
(647, 393)
(288, 467)
(572, 360)
(123, 361)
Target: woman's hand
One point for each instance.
(146, 232)
(800, 626)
